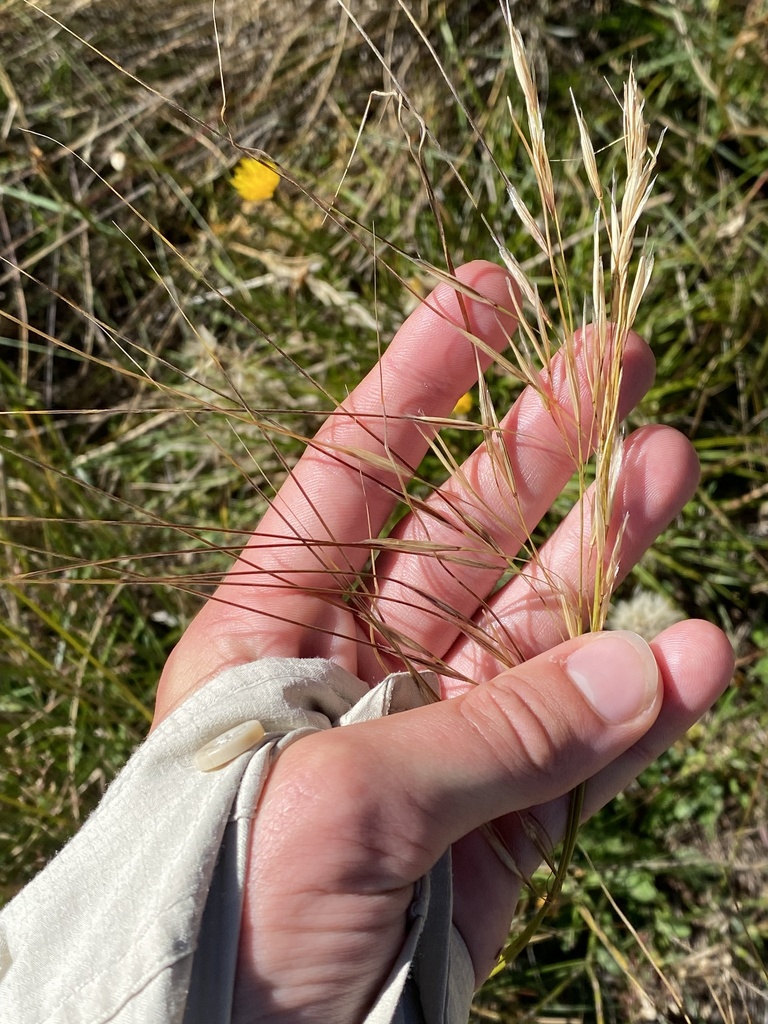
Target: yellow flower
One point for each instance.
(464, 405)
(255, 180)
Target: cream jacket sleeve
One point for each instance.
(136, 920)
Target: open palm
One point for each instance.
(352, 817)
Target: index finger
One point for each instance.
(348, 481)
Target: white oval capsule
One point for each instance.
(229, 745)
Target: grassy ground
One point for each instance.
(147, 313)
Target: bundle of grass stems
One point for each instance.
(553, 322)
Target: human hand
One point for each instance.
(352, 817)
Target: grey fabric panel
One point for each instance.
(209, 1000)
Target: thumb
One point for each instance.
(525, 737)
(378, 802)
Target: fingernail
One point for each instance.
(616, 673)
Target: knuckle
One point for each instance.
(518, 727)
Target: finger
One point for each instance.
(695, 661)
(659, 475)
(383, 799)
(353, 472)
(529, 735)
(487, 514)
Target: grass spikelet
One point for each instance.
(588, 153)
(538, 148)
